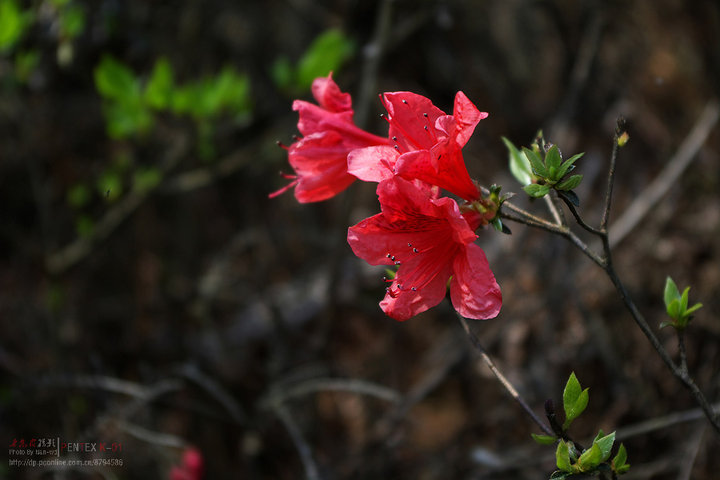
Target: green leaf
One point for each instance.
(684, 300)
(13, 24)
(544, 439)
(620, 458)
(109, 185)
(605, 444)
(519, 163)
(159, 88)
(570, 196)
(72, 21)
(590, 458)
(78, 196)
(673, 310)
(127, 118)
(536, 164)
(327, 53)
(570, 183)
(145, 179)
(693, 309)
(671, 291)
(535, 190)
(574, 400)
(562, 457)
(567, 165)
(553, 161)
(84, 226)
(282, 73)
(114, 80)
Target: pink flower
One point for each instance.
(430, 241)
(426, 146)
(191, 467)
(320, 157)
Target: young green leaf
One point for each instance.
(114, 80)
(671, 291)
(553, 161)
(620, 458)
(536, 191)
(536, 163)
(570, 183)
(605, 444)
(575, 400)
(567, 165)
(544, 439)
(590, 458)
(562, 457)
(519, 163)
(158, 91)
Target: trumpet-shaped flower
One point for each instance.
(319, 158)
(430, 241)
(425, 144)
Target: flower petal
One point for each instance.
(467, 117)
(372, 164)
(408, 303)
(328, 95)
(473, 289)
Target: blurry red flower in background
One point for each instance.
(191, 467)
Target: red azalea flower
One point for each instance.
(426, 144)
(320, 157)
(430, 241)
(191, 467)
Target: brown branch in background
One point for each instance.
(501, 378)
(311, 469)
(659, 187)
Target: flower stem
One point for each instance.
(501, 378)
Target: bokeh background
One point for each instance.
(153, 296)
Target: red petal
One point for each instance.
(329, 96)
(473, 289)
(372, 164)
(467, 117)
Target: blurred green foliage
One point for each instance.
(327, 53)
(13, 24)
(130, 103)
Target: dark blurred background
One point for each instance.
(152, 295)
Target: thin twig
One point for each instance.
(349, 385)
(501, 378)
(311, 470)
(659, 187)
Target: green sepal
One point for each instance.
(558, 475)
(544, 439)
(536, 190)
